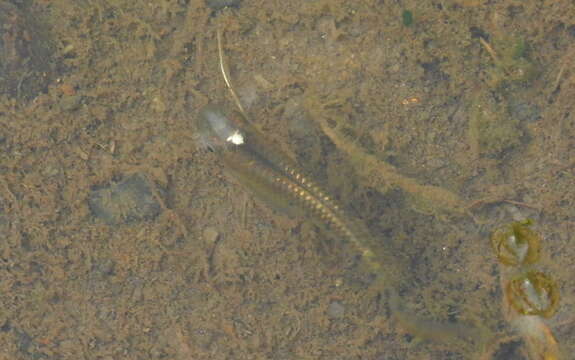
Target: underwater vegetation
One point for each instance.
(498, 112)
(531, 295)
(513, 65)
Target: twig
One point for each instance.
(225, 74)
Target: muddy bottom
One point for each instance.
(433, 123)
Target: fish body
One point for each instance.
(275, 178)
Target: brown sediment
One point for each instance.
(381, 174)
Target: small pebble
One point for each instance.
(220, 4)
(335, 310)
(211, 235)
(128, 201)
